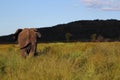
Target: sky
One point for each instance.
(16, 14)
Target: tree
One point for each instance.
(68, 36)
(93, 37)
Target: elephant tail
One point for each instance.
(27, 45)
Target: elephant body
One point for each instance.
(27, 40)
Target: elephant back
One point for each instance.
(24, 38)
(33, 36)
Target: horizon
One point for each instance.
(38, 13)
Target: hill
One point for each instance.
(83, 30)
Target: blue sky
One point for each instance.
(16, 14)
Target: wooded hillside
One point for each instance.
(83, 30)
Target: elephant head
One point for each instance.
(27, 40)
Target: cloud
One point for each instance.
(106, 5)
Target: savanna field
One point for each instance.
(62, 61)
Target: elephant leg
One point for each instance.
(28, 48)
(23, 53)
(32, 51)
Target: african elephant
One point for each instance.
(27, 40)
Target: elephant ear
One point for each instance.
(38, 35)
(15, 35)
(37, 32)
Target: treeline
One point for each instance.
(83, 30)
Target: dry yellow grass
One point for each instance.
(62, 61)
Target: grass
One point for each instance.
(62, 61)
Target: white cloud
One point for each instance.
(108, 5)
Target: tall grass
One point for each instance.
(62, 61)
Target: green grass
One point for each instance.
(62, 61)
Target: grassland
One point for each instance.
(62, 61)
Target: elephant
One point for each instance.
(27, 41)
